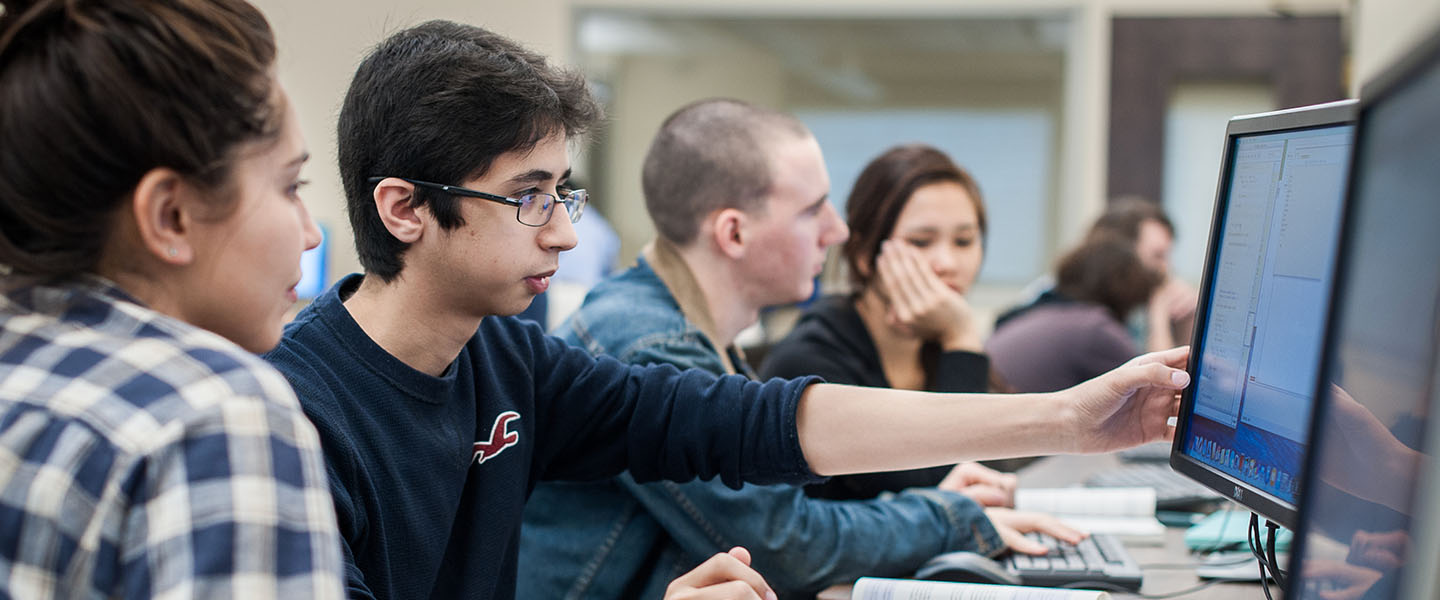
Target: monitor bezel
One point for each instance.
(1404, 71)
(1329, 114)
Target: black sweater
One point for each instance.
(831, 341)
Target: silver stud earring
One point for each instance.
(172, 252)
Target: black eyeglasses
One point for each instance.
(531, 209)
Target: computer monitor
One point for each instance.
(1368, 523)
(1264, 298)
(313, 268)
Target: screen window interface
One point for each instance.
(1269, 296)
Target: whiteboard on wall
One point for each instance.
(1009, 151)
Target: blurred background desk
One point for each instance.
(1061, 471)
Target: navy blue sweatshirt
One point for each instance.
(430, 474)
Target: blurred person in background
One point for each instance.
(1169, 314)
(1167, 317)
(1076, 330)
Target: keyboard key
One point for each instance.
(1111, 549)
(1098, 558)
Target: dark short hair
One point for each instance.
(711, 155)
(94, 95)
(881, 193)
(1124, 215)
(1104, 269)
(441, 101)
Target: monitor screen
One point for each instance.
(1357, 536)
(1264, 301)
(313, 269)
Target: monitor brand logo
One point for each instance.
(1238, 494)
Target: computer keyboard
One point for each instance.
(1098, 559)
(1173, 491)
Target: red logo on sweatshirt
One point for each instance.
(500, 438)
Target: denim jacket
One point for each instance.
(620, 539)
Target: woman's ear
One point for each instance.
(393, 201)
(164, 207)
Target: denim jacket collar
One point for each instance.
(675, 273)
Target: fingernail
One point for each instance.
(1180, 378)
(770, 595)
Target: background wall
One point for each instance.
(1385, 29)
(322, 41)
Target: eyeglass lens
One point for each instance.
(535, 209)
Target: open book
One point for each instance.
(871, 588)
(1126, 513)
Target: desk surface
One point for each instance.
(1060, 471)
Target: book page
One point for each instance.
(872, 588)
(1096, 502)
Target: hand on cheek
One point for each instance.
(920, 303)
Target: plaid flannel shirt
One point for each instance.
(141, 457)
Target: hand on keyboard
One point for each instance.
(1095, 559)
(1021, 530)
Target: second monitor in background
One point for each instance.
(1370, 516)
(1263, 300)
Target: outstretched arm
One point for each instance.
(846, 429)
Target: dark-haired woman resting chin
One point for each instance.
(917, 224)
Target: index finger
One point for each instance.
(918, 271)
(1174, 357)
(741, 554)
(1003, 483)
(986, 495)
(1059, 530)
(906, 283)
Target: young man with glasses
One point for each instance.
(438, 418)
